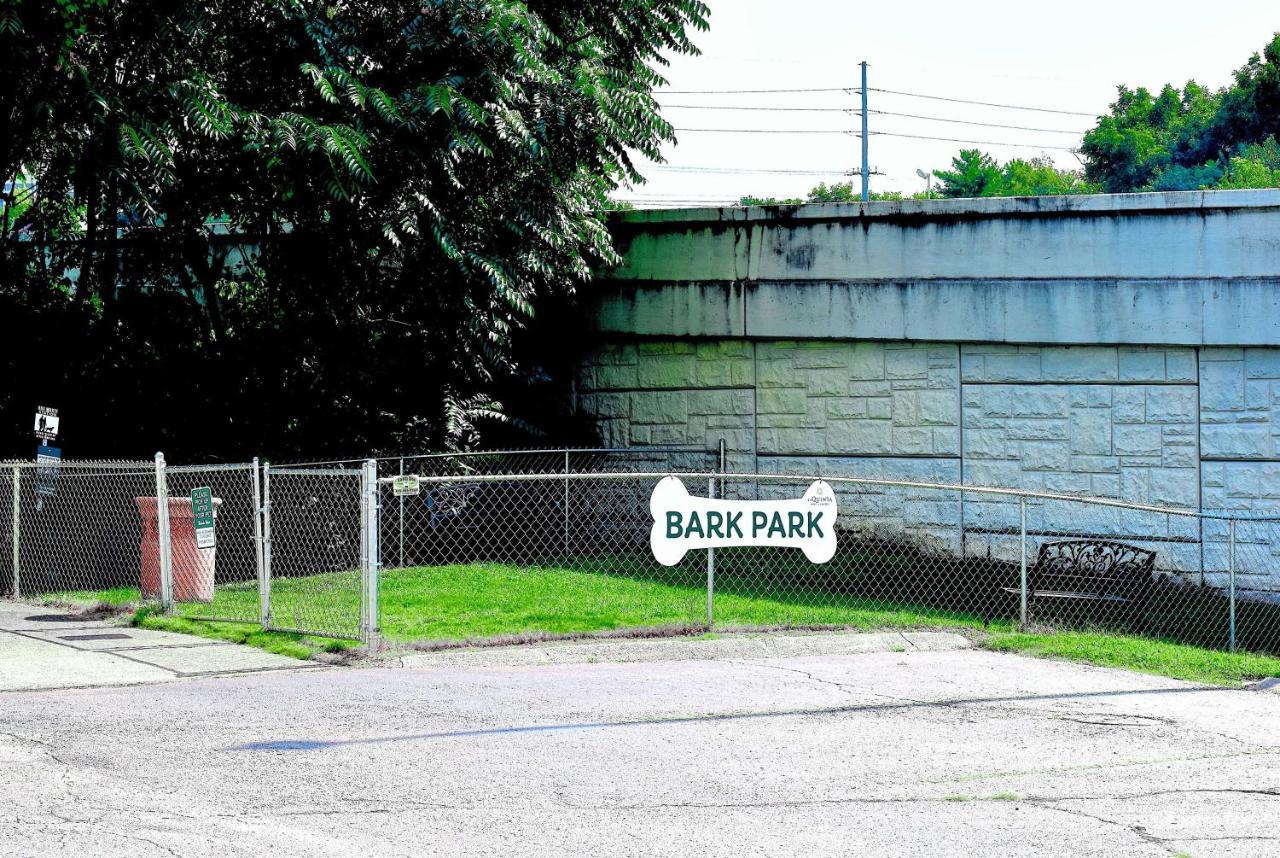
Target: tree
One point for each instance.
(836, 192)
(309, 226)
(974, 173)
(1188, 138)
(1257, 166)
(749, 200)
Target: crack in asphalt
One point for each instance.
(1034, 799)
(990, 707)
(42, 745)
(1084, 767)
(1133, 828)
(846, 688)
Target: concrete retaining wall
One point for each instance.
(1120, 346)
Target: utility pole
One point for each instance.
(866, 168)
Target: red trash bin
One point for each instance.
(192, 566)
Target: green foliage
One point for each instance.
(1159, 657)
(281, 643)
(836, 192)
(974, 173)
(1256, 166)
(306, 225)
(1190, 138)
(769, 201)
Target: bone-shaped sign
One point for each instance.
(682, 521)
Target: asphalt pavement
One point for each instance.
(803, 745)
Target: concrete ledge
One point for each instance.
(732, 646)
(1082, 204)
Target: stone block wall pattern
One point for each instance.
(1124, 346)
(1104, 421)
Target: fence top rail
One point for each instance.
(549, 450)
(563, 476)
(544, 451)
(314, 472)
(196, 469)
(87, 464)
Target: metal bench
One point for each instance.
(1091, 571)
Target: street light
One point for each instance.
(928, 183)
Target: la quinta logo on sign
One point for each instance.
(682, 521)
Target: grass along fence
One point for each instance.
(482, 552)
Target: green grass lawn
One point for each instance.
(477, 601)
(1163, 658)
(488, 600)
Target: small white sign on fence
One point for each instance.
(682, 521)
(406, 485)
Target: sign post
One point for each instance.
(202, 516)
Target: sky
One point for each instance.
(1056, 57)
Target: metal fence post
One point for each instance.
(255, 475)
(369, 553)
(566, 506)
(400, 519)
(1022, 586)
(723, 463)
(1231, 583)
(17, 531)
(264, 593)
(163, 534)
(711, 565)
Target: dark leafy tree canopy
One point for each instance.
(334, 218)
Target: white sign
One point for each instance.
(406, 485)
(46, 423)
(682, 521)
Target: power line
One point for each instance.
(983, 103)
(847, 111)
(972, 122)
(977, 142)
(748, 91)
(766, 130)
(873, 134)
(656, 196)
(855, 90)
(743, 107)
(670, 168)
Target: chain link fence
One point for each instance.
(557, 542)
(72, 529)
(511, 553)
(317, 567)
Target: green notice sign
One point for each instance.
(202, 516)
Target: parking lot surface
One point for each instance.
(830, 747)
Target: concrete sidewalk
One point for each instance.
(48, 648)
(736, 645)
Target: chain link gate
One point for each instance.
(320, 551)
(221, 583)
